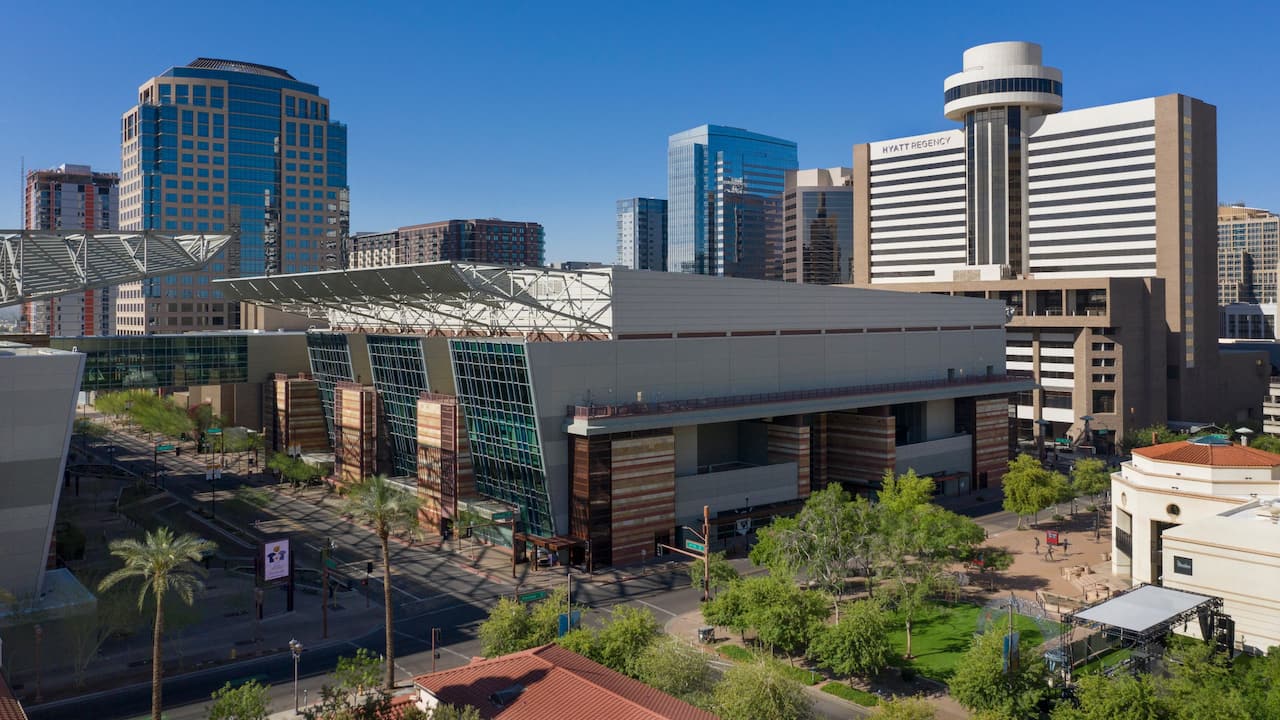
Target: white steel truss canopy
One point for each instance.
(444, 298)
(37, 264)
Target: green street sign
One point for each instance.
(695, 546)
(214, 431)
(532, 596)
(330, 562)
(166, 447)
(505, 515)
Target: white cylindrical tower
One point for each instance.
(1001, 86)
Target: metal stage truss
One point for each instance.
(1141, 619)
(37, 264)
(444, 298)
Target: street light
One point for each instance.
(295, 648)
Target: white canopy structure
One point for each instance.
(448, 298)
(37, 264)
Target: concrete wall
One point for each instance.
(951, 454)
(38, 391)
(729, 490)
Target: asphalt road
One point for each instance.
(429, 591)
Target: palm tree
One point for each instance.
(166, 563)
(388, 508)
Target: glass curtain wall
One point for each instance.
(330, 357)
(159, 361)
(399, 369)
(496, 395)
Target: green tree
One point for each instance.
(924, 539)
(729, 608)
(295, 471)
(445, 711)
(247, 702)
(1202, 685)
(820, 543)
(388, 509)
(1142, 437)
(784, 616)
(1090, 477)
(513, 626)
(906, 708)
(165, 563)
(981, 684)
(858, 644)
(116, 614)
(676, 669)
(899, 494)
(1266, 443)
(624, 637)
(1124, 697)
(359, 673)
(1029, 488)
(721, 574)
(757, 690)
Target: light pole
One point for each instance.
(39, 631)
(295, 648)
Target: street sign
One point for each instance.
(330, 562)
(214, 431)
(165, 447)
(695, 546)
(532, 596)
(569, 621)
(504, 515)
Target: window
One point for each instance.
(1104, 401)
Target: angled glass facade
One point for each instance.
(494, 390)
(724, 201)
(160, 361)
(399, 369)
(330, 357)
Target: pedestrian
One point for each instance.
(1048, 552)
(1037, 546)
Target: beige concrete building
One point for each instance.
(1248, 246)
(1097, 228)
(817, 228)
(1201, 515)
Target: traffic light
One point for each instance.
(368, 568)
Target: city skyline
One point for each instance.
(571, 98)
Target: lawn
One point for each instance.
(1105, 660)
(852, 694)
(941, 634)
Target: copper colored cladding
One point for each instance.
(554, 683)
(1192, 453)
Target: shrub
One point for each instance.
(852, 694)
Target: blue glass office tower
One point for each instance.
(221, 146)
(724, 201)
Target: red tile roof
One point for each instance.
(556, 683)
(1191, 453)
(10, 708)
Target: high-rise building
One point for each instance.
(490, 240)
(1248, 242)
(226, 146)
(724, 201)
(71, 197)
(1096, 227)
(817, 245)
(642, 233)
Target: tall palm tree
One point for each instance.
(387, 508)
(165, 563)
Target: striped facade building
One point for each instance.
(1096, 227)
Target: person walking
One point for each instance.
(1037, 545)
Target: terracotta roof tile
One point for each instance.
(10, 708)
(1190, 453)
(557, 683)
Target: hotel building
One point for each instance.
(817, 245)
(503, 242)
(642, 234)
(71, 197)
(724, 201)
(222, 146)
(1096, 227)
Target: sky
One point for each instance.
(553, 111)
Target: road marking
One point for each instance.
(655, 607)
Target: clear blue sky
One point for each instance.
(552, 111)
